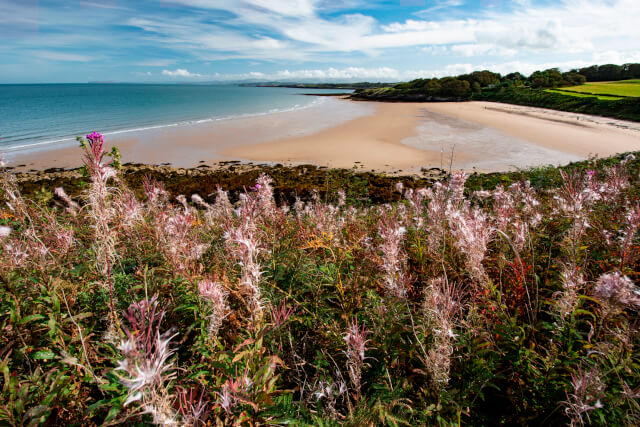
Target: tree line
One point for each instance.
(610, 72)
(466, 86)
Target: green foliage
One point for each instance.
(513, 356)
(550, 88)
(447, 88)
(625, 109)
(610, 72)
(619, 89)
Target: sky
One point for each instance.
(56, 41)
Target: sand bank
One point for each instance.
(578, 134)
(471, 135)
(377, 136)
(373, 141)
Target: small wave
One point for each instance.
(40, 144)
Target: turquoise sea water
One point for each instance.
(38, 115)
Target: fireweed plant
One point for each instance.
(479, 300)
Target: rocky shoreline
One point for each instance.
(289, 181)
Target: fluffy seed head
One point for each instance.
(617, 291)
(4, 231)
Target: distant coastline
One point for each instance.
(348, 86)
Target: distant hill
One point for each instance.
(362, 85)
(540, 89)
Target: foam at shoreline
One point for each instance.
(43, 144)
(185, 144)
(383, 137)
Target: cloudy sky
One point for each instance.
(345, 40)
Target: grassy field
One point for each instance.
(583, 95)
(605, 90)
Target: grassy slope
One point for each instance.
(619, 100)
(624, 108)
(624, 88)
(583, 95)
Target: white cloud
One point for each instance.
(280, 7)
(387, 74)
(616, 57)
(18, 18)
(286, 7)
(61, 56)
(482, 49)
(297, 32)
(181, 72)
(156, 63)
(443, 4)
(344, 74)
(348, 74)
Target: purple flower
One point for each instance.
(95, 137)
(591, 173)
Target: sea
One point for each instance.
(39, 115)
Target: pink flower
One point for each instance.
(472, 232)
(440, 307)
(216, 296)
(4, 231)
(587, 391)
(280, 314)
(394, 259)
(145, 369)
(95, 138)
(616, 291)
(356, 340)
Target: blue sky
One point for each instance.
(328, 40)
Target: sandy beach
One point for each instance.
(374, 136)
(577, 134)
(374, 142)
(471, 135)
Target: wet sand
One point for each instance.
(468, 135)
(573, 134)
(374, 141)
(375, 136)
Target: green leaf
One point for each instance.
(31, 318)
(112, 414)
(580, 311)
(44, 355)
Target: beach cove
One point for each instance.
(373, 136)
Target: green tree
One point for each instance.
(453, 87)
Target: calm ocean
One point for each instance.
(37, 115)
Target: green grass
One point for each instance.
(624, 88)
(583, 95)
(627, 108)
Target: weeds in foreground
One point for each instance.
(513, 305)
